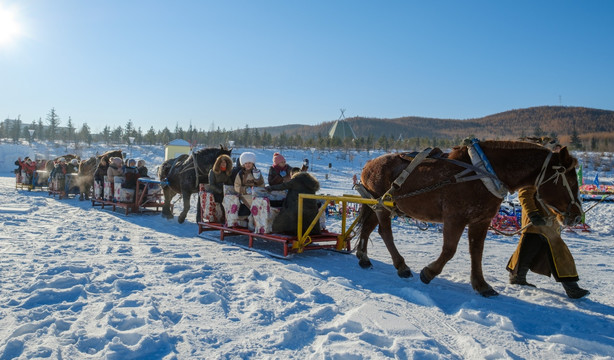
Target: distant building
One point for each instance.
(176, 148)
(342, 130)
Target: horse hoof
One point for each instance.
(489, 293)
(405, 273)
(424, 277)
(181, 219)
(365, 264)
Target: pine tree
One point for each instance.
(106, 133)
(70, 131)
(54, 122)
(129, 131)
(150, 137)
(576, 142)
(16, 130)
(85, 135)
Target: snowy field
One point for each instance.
(84, 283)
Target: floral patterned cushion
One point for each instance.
(263, 215)
(231, 207)
(211, 211)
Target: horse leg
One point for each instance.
(385, 231)
(451, 235)
(186, 206)
(477, 234)
(166, 207)
(368, 224)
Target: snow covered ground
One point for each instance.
(84, 283)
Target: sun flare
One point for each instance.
(9, 26)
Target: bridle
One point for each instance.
(559, 173)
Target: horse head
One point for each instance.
(557, 186)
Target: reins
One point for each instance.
(558, 173)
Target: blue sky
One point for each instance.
(229, 64)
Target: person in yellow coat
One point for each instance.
(541, 248)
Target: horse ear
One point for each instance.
(567, 160)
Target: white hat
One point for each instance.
(247, 157)
(74, 161)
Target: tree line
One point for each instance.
(51, 130)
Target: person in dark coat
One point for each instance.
(219, 176)
(131, 173)
(287, 220)
(280, 171)
(140, 165)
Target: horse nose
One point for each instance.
(575, 221)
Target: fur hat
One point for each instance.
(74, 162)
(247, 157)
(278, 158)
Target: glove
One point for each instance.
(283, 173)
(537, 219)
(267, 188)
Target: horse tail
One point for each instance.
(364, 213)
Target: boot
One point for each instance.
(520, 278)
(573, 290)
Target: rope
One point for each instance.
(507, 233)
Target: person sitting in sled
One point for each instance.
(219, 175)
(131, 173)
(287, 220)
(247, 177)
(279, 172)
(29, 167)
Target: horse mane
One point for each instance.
(511, 145)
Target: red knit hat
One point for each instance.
(278, 158)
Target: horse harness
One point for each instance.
(189, 166)
(480, 166)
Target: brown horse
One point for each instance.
(432, 193)
(181, 175)
(88, 167)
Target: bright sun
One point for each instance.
(9, 27)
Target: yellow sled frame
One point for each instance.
(346, 234)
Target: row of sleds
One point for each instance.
(146, 196)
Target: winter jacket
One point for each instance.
(131, 174)
(243, 184)
(112, 172)
(287, 220)
(28, 168)
(278, 175)
(59, 171)
(218, 178)
(143, 172)
(554, 259)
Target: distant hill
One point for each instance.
(558, 120)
